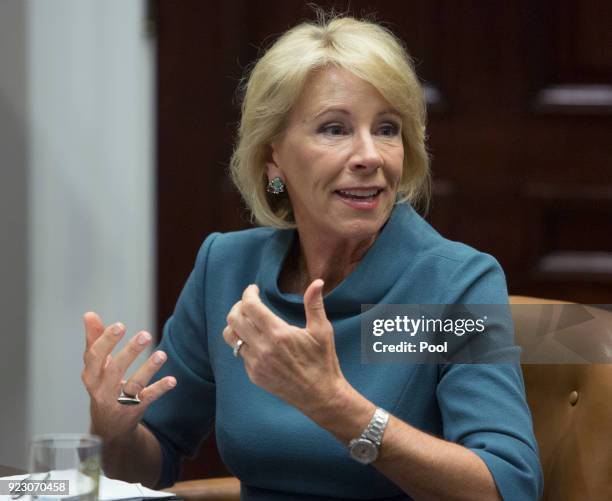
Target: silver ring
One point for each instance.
(125, 399)
(237, 347)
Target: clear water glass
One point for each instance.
(72, 457)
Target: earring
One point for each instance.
(276, 186)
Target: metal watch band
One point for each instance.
(376, 427)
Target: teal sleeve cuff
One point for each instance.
(515, 481)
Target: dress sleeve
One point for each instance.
(483, 406)
(183, 417)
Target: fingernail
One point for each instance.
(116, 329)
(144, 338)
(171, 383)
(160, 357)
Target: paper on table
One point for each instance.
(110, 489)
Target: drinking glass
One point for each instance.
(72, 457)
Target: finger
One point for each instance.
(233, 313)
(157, 389)
(93, 328)
(231, 338)
(235, 318)
(256, 311)
(314, 308)
(145, 372)
(131, 350)
(97, 356)
(242, 325)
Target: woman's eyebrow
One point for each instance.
(389, 111)
(329, 109)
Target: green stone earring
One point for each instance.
(276, 186)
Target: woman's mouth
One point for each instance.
(364, 199)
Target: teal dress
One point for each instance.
(278, 453)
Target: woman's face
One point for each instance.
(340, 157)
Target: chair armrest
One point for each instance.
(208, 489)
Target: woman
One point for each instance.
(264, 340)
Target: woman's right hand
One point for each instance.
(103, 377)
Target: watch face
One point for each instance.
(363, 450)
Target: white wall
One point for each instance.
(89, 137)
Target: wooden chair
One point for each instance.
(572, 415)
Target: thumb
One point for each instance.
(313, 305)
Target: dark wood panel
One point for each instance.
(198, 70)
(583, 40)
(571, 56)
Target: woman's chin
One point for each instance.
(357, 228)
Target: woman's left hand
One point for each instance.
(296, 364)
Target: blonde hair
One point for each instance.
(370, 52)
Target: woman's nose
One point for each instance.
(366, 156)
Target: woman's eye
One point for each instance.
(388, 130)
(333, 129)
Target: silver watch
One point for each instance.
(365, 447)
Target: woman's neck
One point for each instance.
(330, 260)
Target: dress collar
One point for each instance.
(368, 283)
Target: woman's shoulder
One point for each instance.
(459, 271)
(231, 249)
(432, 244)
(242, 239)
(460, 254)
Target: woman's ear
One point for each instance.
(272, 164)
